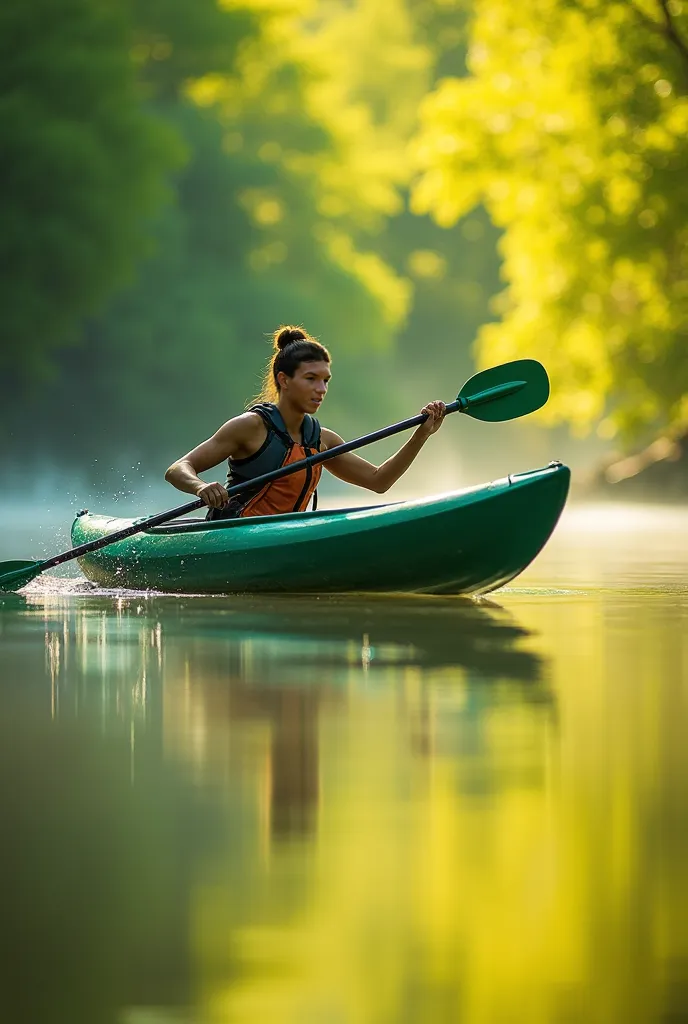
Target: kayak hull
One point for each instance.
(465, 542)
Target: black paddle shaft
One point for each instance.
(259, 481)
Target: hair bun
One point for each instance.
(287, 336)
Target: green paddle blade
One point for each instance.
(505, 392)
(14, 575)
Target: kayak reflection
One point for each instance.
(378, 632)
(284, 632)
(194, 670)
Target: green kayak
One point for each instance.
(465, 542)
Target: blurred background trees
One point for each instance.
(572, 130)
(83, 165)
(182, 178)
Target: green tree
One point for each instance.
(384, 57)
(266, 227)
(84, 165)
(292, 206)
(572, 130)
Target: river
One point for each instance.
(354, 810)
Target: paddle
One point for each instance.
(500, 393)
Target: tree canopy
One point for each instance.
(181, 178)
(84, 165)
(291, 204)
(572, 130)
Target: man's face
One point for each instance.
(308, 387)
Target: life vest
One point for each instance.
(288, 494)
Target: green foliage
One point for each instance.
(265, 229)
(383, 58)
(572, 129)
(292, 206)
(175, 42)
(83, 166)
(185, 346)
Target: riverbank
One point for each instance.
(658, 473)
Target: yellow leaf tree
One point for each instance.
(572, 129)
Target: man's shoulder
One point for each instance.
(245, 425)
(329, 439)
(250, 418)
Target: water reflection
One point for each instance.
(276, 711)
(196, 670)
(95, 875)
(366, 811)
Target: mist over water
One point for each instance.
(37, 506)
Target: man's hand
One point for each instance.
(214, 495)
(436, 412)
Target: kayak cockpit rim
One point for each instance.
(187, 525)
(202, 525)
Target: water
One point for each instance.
(354, 811)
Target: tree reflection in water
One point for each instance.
(162, 752)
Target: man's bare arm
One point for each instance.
(355, 470)
(235, 438)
